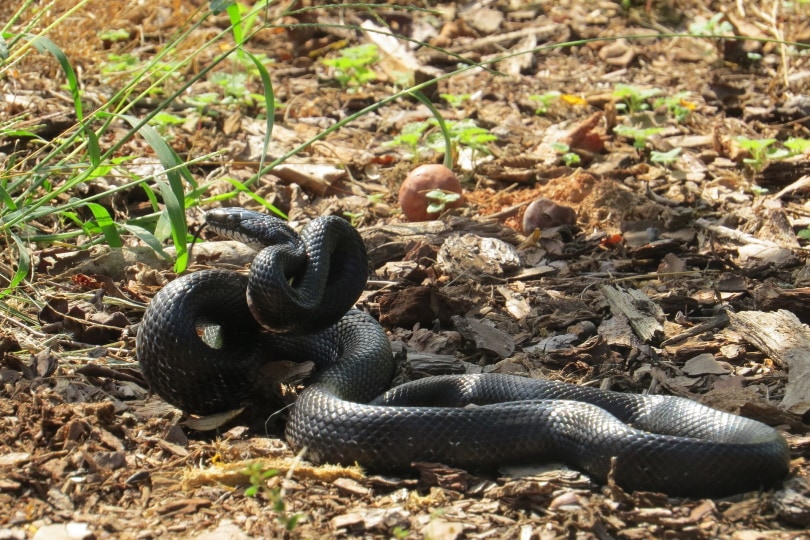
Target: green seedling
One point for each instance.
(571, 159)
(797, 146)
(355, 218)
(163, 120)
(545, 101)
(119, 63)
(114, 35)
(375, 198)
(410, 136)
(202, 100)
(235, 86)
(665, 158)
(351, 68)
(804, 234)
(464, 133)
(677, 105)
(639, 135)
(634, 99)
(439, 199)
(258, 476)
(716, 26)
(760, 151)
(454, 100)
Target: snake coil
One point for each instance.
(295, 303)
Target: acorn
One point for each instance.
(545, 213)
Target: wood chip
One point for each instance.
(785, 339)
(644, 315)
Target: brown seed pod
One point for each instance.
(419, 182)
(545, 213)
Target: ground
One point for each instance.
(684, 191)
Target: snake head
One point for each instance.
(254, 229)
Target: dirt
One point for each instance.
(87, 452)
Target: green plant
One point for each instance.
(351, 69)
(665, 158)
(258, 477)
(634, 99)
(119, 34)
(545, 101)
(235, 87)
(677, 105)
(40, 192)
(465, 133)
(639, 135)
(409, 137)
(439, 199)
(718, 25)
(797, 146)
(571, 159)
(119, 63)
(462, 133)
(375, 198)
(759, 151)
(355, 218)
(454, 100)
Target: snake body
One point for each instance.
(295, 304)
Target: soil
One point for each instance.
(711, 241)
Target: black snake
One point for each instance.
(295, 303)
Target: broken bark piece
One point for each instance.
(705, 364)
(644, 315)
(485, 337)
(786, 340)
(421, 305)
(769, 297)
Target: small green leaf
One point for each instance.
(665, 158)
(797, 145)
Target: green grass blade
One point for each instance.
(242, 188)
(269, 103)
(106, 224)
(173, 193)
(235, 15)
(23, 266)
(93, 146)
(43, 44)
(448, 144)
(7, 200)
(147, 238)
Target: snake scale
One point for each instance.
(295, 303)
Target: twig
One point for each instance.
(721, 321)
(734, 234)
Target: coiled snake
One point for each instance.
(295, 303)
